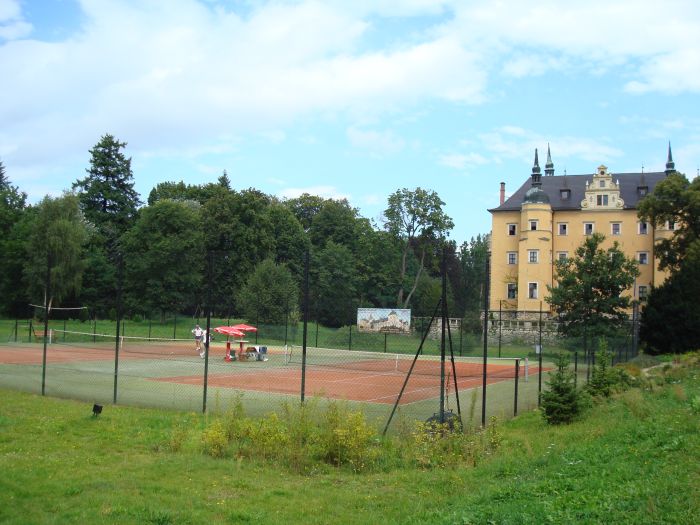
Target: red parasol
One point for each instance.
(244, 328)
(229, 330)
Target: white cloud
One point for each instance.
(378, 143)
(12, 25)
(460, 160)
(327, 192)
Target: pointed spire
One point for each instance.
(549, 167)
(670, 165)
(536, 177)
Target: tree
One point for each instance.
(334, 285)
(472, 259)
(163, 258)
(589, 296)
(561, 401)
(305, 208)
(670, 321)
(56, 238)
(270, 295)
(675, 200)
(416, 218)
(107, 196)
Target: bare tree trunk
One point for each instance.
(399, 298)
(415, 282)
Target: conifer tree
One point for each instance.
(561, 402)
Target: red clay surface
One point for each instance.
(352, 385)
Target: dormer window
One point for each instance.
(565, 194)
(602, 183)
(602, 200)
(642, 190)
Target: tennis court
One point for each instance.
(367, 377)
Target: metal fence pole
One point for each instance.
(486, 331)
(500, 325)
(575, 368)
(119, 316)
(175, 327)
(16, 327)
(515, 397)
(385, 343)
(46, 321)
(207, 336)
(539, 383)
(306, 320)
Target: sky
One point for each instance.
(349, 99)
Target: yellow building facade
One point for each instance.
(549, 217)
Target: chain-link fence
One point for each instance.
(435, 367)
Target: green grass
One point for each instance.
(631, 460)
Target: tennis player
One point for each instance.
(198, 336)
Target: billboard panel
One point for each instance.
(384, 320)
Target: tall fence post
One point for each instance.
(207, 336)
(46, 320)
(119, 318)
(575, 368)
(500, 325)
(306, 320)
(16, 327)
(175, 327)
(515, 397)
(539, 382)
(486, 331)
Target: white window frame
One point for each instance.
(619, 228)
(515, 257)
(565, 225)
(534, 223)
(562, 256)
(645, 255)
(592, 228)
(515, 290)
(646, 227)
(515, 229)
(536, 257)
(602, 200)
(530, 290)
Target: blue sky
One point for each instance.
(349, 99)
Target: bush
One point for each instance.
(562, 402)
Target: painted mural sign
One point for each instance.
(384, 320)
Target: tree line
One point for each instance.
(241, 251)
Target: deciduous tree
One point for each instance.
(417, 219)
(589, 296)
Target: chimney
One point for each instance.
(503, 193)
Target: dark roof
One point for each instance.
(552, 186)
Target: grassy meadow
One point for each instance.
(633, 459)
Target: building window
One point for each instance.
(512, 258)
(642, 190)
(532, 290)
(643, 228)
(670, 225)
(643, 257)
(643, 293)
(533, 256)
(533, 225)
(616, 228)
(562, 256)
(565, 194)
(602, 184)
(602, 200)
(562, 228)
(588, 228)
(511, 229)
(512, 291)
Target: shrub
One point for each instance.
(214, 439)
(562, 402)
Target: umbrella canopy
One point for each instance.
(229, 330)
(244, 328)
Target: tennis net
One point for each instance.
(429, 365)
(126, 344)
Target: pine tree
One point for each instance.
(107, 196)
(562, 402)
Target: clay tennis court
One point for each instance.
(350, 384)
(373, 381)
